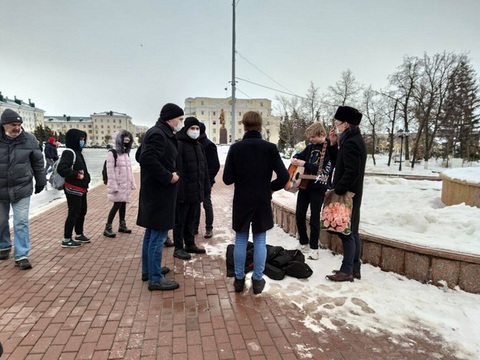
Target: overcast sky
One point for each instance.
(78, 57)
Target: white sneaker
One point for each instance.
(302, 248)
(313, 255)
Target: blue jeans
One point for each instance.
(259, 254)
(152, 250)
(352, 248)
(21, 227)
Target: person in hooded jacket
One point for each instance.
(250, 165)
(77, 179)
(20, 161)
(121, 181)
(348, 176)
(194, 184)
(213, 163)
(51, 153)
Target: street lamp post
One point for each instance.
(402, 135)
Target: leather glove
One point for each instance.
(39, 188)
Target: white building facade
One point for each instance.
(208, 111)
(31, 115)
(100, 127)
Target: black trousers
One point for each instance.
(77, 209)
(314, 199)
(184, 220)
(117, 206)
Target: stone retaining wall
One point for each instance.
(423, 264)
(456, 191)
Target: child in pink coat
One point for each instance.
(120, 181)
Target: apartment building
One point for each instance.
(100, 127)
(31, 115)
(208, 111)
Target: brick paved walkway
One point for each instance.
(90, 303)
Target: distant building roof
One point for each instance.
(67, 118)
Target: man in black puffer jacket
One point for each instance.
(20, 160)
(194, 184)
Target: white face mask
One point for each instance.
(193, 134)
(178, 127)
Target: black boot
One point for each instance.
(123, 228)
(108, 231)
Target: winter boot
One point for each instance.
(108, 231)
(123, 228)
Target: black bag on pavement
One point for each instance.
(298, 270)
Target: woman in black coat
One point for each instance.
(348, 176)
(250, 165)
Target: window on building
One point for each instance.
(261, 103)
(239, 113)
(203, 112)
(201, 103)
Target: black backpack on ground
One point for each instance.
(104, 170)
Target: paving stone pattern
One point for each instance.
(90, 303)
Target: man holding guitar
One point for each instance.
(318, 161)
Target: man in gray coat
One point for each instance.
(20, 160)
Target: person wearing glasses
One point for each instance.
(348, 176)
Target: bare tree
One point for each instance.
(430, 97)
(403, 85)
(345, 91)
(312, 104)
(373, 110)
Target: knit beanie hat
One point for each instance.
(9, 116)
(348, 114)
(170, 111)
(190, 121)
(51, 140)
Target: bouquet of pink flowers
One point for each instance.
(336, 212)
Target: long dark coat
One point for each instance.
(350, 170)
(193, 169)
(158, 160)
(211, 155)
(250, 165)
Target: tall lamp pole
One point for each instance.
(233, 72)
(402, 135)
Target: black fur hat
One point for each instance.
(348, 114)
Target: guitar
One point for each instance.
(297, 179)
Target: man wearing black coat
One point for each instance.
(348, 176)
(250, 165)
(194, 184)
(213, 163)
(158, 193)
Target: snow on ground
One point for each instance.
(406, 210)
